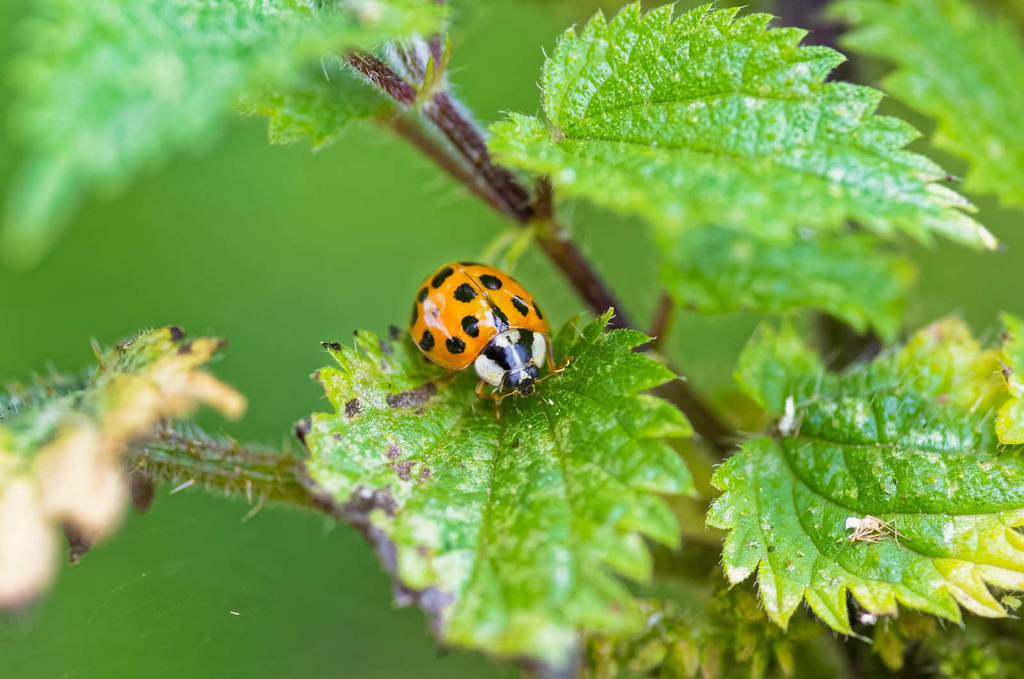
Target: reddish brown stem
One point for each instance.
(464, 136)
(662, 320)
(381, 75)
(453, 166)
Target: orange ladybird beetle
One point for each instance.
(471, 313)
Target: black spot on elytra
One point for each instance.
(422, 294)
(520, 306)
(490, 282)
(465, 293)
(500, 319)
(471, 325)
(455, 345)
(413, 397)
(440, 276)
(353, 408)
(415, 313)
(537, 309)
(176, 333)
(427, 341)
(333, 346)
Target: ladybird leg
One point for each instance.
(554, 369)
(485, 396)
(481, 394)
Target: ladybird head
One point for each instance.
(511, 361)
(520, 381)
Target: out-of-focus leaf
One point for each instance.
(318, 105)
(959, 66)
(718, 271)
(111, 87)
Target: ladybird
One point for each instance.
(472, 313)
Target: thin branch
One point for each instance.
(464, 135)
(455, 124)
(716, 433)
(453, 166)
(662, 321)
(556, 243)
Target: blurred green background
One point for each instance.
(276, 249)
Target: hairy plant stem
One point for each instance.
(514, 201)
(434, 149)
(223, 464)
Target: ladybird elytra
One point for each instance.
(467, 313)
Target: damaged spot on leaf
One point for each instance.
(352, 408)
(413, 397)
(403, 469)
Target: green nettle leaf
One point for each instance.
(903, 453)
(1010, 420)
(61, 443)
(112, 86)
(506, 530)
(706, 119)
(959, 66)
(718, 271)
(318, 105)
